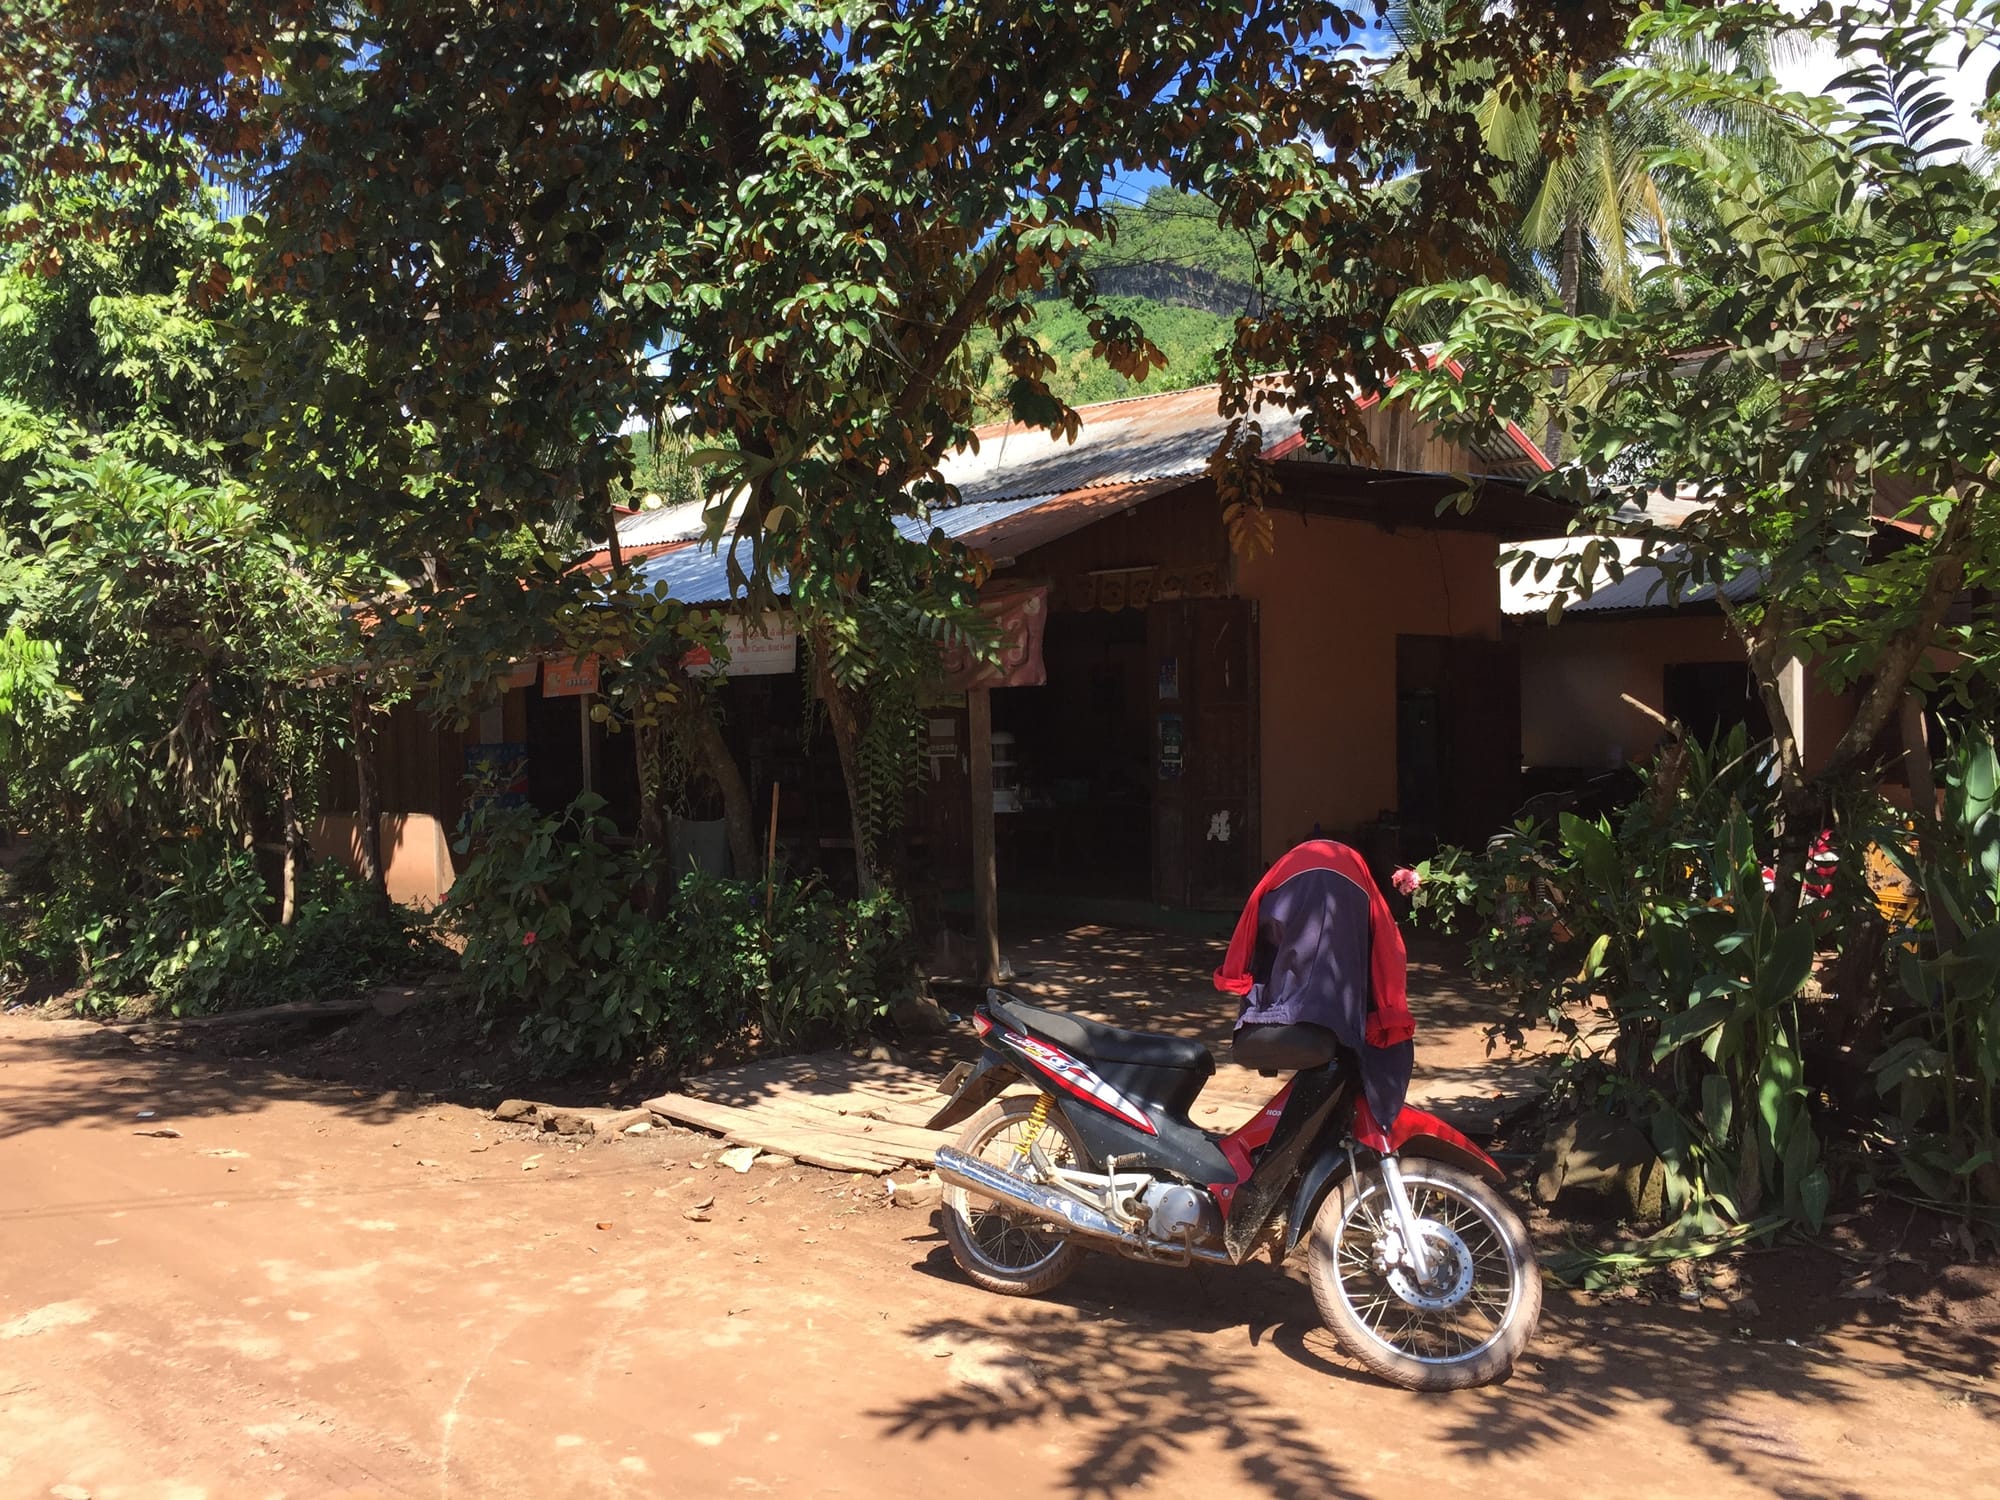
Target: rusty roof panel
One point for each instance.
(1041, 522)
(1120, 442)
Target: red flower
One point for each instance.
(1406, 881)
(528, 940)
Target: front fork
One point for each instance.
(1414, 1255)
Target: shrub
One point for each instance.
(556, 931)
(1651, 943)
(208, 938)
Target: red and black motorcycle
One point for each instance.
(1419, 1266)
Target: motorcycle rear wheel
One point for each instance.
(1001, 1251)
(1485, 1296)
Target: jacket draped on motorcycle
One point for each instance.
(1317, 945)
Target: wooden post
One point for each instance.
(771, 853)
(367, 793)
(985, 876)
(587, 744)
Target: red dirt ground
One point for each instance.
(318, 1291)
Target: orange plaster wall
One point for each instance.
(1332, 598)
(1573, 672)
(416, 854)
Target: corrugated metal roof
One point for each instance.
(1119, 442)
(1020, 489)
(1038, 522)
(1643, 585)
(699, 574)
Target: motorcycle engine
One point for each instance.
(1172, 1208)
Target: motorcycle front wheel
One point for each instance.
(1466, 1322)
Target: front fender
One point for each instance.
(1333, 1163)
(1426, 1136)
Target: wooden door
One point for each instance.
(1205, 798)
(1482, 740)
(1458, 740)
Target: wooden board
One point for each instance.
(768, 1131)
(827, 1108)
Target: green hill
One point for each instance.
(1174, 271)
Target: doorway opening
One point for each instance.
(1073, 764)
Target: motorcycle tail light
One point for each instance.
(982, 1021)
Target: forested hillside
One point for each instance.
(1174, 270)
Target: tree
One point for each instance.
(806, 210)
(1821, 366)
(1587, 217)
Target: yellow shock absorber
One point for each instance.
(1038, 1117)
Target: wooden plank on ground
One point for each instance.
(855, 1110)
(773, 1133)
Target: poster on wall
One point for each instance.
(1020, 617)
(496, 776)
(1172, 747)
(769, 649)
(570, 679)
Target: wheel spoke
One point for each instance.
(1479, 1260)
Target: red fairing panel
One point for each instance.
(1430, 1135)
(1248, 1137)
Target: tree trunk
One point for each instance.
(288, 903)
(843, 717)
(1906, 648)
(711, 753)
(652, 825)
(367, 793)
(1570, 275)
(1569, 286)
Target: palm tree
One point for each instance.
(1587, 220)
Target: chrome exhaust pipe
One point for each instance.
(1057, 1208)
(1031, 1198)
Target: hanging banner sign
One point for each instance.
(570, 679)
(769, 650)
(520, 674)
(1020, 616)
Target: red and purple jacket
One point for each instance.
(1318, 944)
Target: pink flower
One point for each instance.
(528, 940)
(1406, 881)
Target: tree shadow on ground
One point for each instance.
(1145, 1364)
(1140, 1392)
(82, 1072)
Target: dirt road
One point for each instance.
(311, 1293)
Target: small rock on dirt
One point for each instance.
(699, 1215)
(639, 1127)
(777, 1161)
(517, 1109)
(568, 1122)
(70, 1492)
(610, 1126)
(918, 1193)
(165, 1132)
(738, 1158)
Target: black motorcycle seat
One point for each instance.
(1094, 1039)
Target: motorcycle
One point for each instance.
(1417, 1264)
